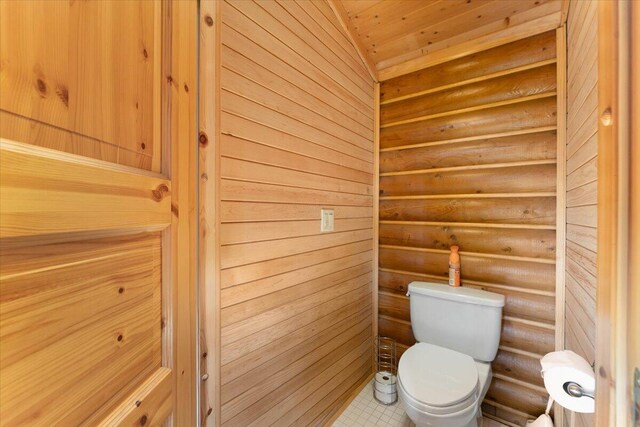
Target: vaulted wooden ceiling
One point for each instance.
(391, 32)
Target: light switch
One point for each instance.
(326, 220)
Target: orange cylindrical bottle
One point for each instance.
(454, 267)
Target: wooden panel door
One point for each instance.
(96, 124)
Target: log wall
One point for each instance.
(468, 157)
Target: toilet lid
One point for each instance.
(437, 376)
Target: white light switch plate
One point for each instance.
(326, 220)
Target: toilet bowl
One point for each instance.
(441, 387)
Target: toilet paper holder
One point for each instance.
(572, 380)
(574, 389)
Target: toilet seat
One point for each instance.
(438, 380)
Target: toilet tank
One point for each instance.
(459, 318)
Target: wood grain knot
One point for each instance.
(120, 290)
(208, 20)
(174, 210)
(41, 86)
(120, 337)
(160, 192)
(143, 420)
(209, 411)
(204, 139)
(138, 403)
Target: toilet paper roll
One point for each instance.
(385, 378)
(386, 398)
(385, 382)
(561, 367)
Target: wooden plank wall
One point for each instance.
(582, 159)
(468, 157)
(296, 136)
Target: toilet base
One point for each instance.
(474, 422)
(461, 419)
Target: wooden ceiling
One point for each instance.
(391, 32)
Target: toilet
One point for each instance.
(443, 378)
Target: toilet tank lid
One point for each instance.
(460, 294)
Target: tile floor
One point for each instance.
(365, 411)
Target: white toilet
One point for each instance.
(443, 378)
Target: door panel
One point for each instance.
(83, 77)
(80, 326)
(97, 133)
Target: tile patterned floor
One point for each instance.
(365, 411)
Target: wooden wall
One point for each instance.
(468, 157)
(296, 135)
(582, 159)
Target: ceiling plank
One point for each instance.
(466, 19)
(342, 15)
(518, 18)
(487, 41)
(355, 7)
(410, 26)
(390, 17)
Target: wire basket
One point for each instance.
(384, 384)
